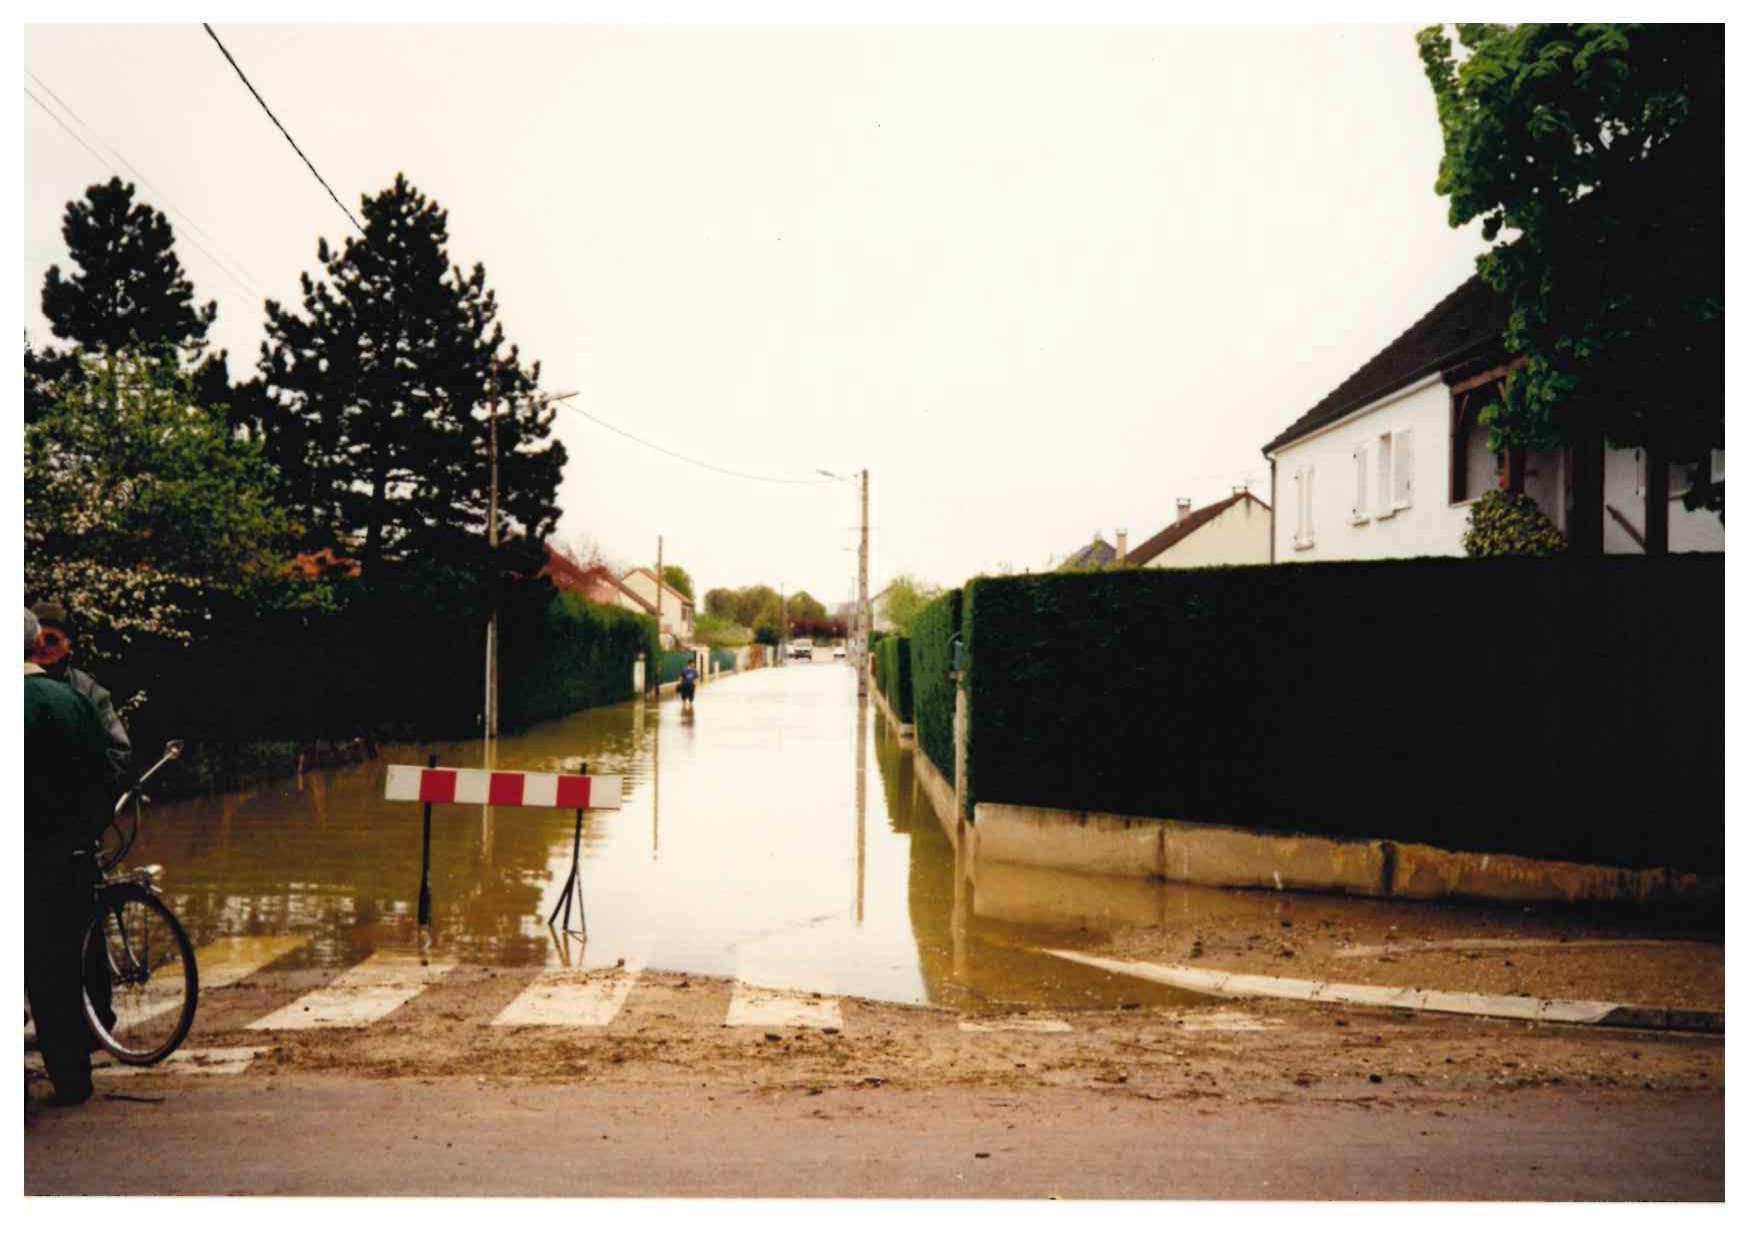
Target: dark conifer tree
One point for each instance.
(129, 288)
(376, 408)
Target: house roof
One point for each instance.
(1096, 554)
(1466, 323)
(668, 587)
(1177, 531)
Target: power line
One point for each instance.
(281, 128)
(246, 280)
(681, 456)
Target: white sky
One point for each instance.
(1039, 281)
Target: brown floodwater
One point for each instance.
(775, 834)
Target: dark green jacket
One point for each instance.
(66, 771)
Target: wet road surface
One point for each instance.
(773, 835)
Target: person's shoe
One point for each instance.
(72, 1093)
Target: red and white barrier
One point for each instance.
(448, 785)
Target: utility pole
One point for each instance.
(491, 710)
(658, 590)
(782, 623)
(862, 617)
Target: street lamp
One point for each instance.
(862, 617)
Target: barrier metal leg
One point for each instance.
(425, 868)
(573, 886)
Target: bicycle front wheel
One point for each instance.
(140, 983)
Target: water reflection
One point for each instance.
(741, 868)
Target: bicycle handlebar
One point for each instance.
(172, 751)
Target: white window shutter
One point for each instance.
(1310, 524)
(1359, 483)
(1402, 445)
(1384, 475)
(1299, 507)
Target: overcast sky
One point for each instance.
(1040, 282)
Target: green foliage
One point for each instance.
(580, 656)
(129, 289)
(1598, 150)
(892, 671)
(709, 630)
(803, 606)
(1369, 699)
(905, 597)
(1501, 523)
(143, 512)
(744, 606)
(678, 577)
(932, 693)
(379, 417)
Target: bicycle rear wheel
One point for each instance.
(140, 982)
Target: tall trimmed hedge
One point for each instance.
(393, 665)
(892, 669)
(1568, 709)
(581, 657)
(932, 693)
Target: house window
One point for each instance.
(1474, 470)
(1361, 511)
(1303, 534)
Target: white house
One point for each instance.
(1234, 530)
(676, 608)
(1389, 463)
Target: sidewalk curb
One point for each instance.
(1461, 1003)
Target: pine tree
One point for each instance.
(129, 288)
(376, 409)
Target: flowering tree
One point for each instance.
(141, 509)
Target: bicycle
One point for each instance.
(139, 980)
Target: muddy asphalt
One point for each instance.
(1253, 1099)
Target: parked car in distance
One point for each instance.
(837, 652)
(801, 648)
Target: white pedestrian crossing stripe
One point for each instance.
(752, 1005)
(570, 999)
(1015, 1024)
(360, 996)
(223, 962)
(210, 1061)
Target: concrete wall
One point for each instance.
(1209, 855)
(1240, 535)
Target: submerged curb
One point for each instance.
(1461, 1003)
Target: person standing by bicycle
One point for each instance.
(66, 804)
(54, 656)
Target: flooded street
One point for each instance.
(775, 835)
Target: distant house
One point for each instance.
(676, 609)
(595, 582)
(1389, 463)
(1234, 530)
(1096, 554)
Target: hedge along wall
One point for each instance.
(932, 693)
(892, 668)
(581, 657)
(1563, 709)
